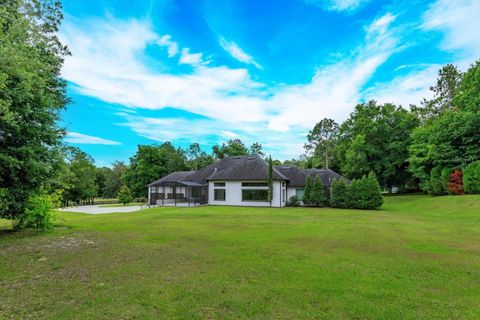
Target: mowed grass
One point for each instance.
(417, 258)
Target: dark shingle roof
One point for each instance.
(297, 176)
(230, 168)
(243, 168)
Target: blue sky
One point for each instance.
(144, 72)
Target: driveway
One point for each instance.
(96, 209)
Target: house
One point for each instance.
(235, 180)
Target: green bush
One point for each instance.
(438, 184)
(318, 196)
(293, 201)
(471, 178)
(307, 194)
(39, 212)
(366, 193)
(340, 195)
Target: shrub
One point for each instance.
(471, 178)
(293, 201)
(438, 184)
(318, 196)
(307, 194)
(38, 213)
(366, 193)
(455, 184)
(340, 195)
(124, 195)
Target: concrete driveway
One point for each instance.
(96, 209)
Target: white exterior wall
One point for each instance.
(292, 191)
(233, 195)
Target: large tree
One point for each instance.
(443, 94)
(114, 179)
(321, 143)
(233, 147)
(376, 138)
(32, 94)
(152, 162)
(197, 158)
(450, 140)
(83, 178)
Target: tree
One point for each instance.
(82, 176)
(318, 195)
(471, 178)
(450, 139)
(467, 97)
(151, 163)
(321, 140)
(125, 195)
(356, 163)
(376, 138)
(256, 149)
(197, 158)
(307, 192)
(32, 94)
(101, 175)
(270, 180)
(114, 179)
(444, 92)
(233, 147)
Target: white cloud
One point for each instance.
(236, 52)
(190, 58)
(107, 64)
(172, 47)
(459, 20)
(338, 5)
(79, 138)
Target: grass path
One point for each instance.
(417, 258)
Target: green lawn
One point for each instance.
(417, 258)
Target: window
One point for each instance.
(299, 193)
(254, 184)
(219, 184)
(219, 195)
(254, 195)
(284, 194)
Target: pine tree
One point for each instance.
(318, 195)
(307, 194)
(270, 180)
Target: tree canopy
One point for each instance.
(32, 93)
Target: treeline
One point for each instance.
(432, 147)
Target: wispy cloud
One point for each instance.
(459, 21)
(338, 5)
(79, 138)
(237, 53)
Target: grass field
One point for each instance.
(417, 258)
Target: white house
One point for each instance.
(235, 180)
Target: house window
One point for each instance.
(284, 194)
(299, 193)
(254, 195)
(219, 184)
(254, 184)
(219, 195)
